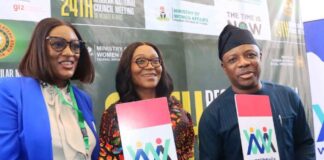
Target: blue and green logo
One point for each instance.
(320, 115)
(144, 152)
(259, 142)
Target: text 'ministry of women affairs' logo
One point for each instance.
(7, 41)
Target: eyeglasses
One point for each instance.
(59, 44)
(143, 62)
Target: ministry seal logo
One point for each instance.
(7, 41)
(163, 15)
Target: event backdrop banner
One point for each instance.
(314, 37)
(186, 31)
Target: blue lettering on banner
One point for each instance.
(320, 150)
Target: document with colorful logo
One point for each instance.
(146, 131)
(258, 136)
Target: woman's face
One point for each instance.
(63, 48)
(146, 68)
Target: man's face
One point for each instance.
(242, 66)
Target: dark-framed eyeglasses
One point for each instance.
(143, 62)
(59, 44)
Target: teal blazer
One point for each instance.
(24, 123)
